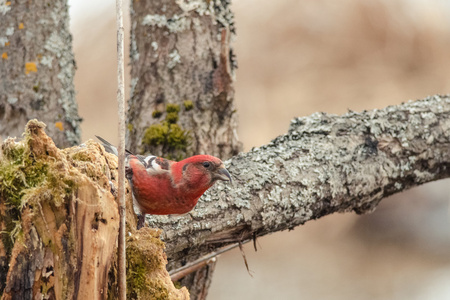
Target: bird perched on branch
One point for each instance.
(164, 187)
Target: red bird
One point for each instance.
(164, 187)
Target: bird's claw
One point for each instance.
(113, 188)
(141, 221)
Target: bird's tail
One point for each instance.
(108, 146)
(111, 148)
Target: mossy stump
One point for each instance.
(59, 225)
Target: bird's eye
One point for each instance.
(206, 164)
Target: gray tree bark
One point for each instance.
(324, 164)
(180, 54)
(37, 69)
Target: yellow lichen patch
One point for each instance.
(21, 26)
(8, 3)
(5, 55)
(30, 67)
(59, 125)
(7, 44)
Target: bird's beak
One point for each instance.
(222, 174)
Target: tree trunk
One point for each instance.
(37, 69)
(182, 69)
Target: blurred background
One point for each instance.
(297, 57)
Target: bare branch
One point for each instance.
(200, 263)
(324, 164)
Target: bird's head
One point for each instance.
(204, 170)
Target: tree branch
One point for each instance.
(324, 164)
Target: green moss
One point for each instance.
(188, 105)
(18, 173)
(24, 178)
(172, 117)
(130, 127)
(13, 151)
(177, 138)
(12, 229)
(170, 108)
(156, 114)
(177, 284)
(143, 262)
(136, 271)
(167, 138)
(156, 134)
(171, 137)
(158, 291)
(58, 186)
(81, 156)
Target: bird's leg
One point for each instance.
(113, 188)
(141, 221)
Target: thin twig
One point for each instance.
(245, 259)
(179, 273)
(121, 149)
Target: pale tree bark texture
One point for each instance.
(37, 69)
(182, 70)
